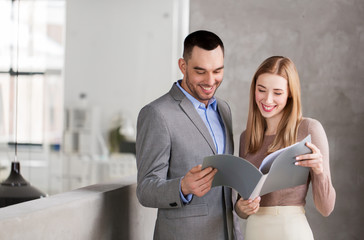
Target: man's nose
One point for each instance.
(210, 78)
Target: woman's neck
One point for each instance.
(272, 125)
(269, 133)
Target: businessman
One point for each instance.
(174, 134)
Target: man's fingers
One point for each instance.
(205, 188)
(206, 171)
(203, 185)
(211, 174)
(196, 169)
(199, 180)
(199, 173)
(207, 178)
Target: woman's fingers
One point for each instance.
(312, 160)
(249, 206)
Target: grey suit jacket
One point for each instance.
(171, 139)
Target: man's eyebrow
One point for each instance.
(203, 69)
(199, 68)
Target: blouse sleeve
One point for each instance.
(324, 194)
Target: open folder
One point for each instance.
(277, 171)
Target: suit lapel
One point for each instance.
(192, 114)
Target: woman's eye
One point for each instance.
(260, 90)
(278, 93)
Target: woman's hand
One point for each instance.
(312, 160)
(244, 208)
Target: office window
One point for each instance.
(32, 42)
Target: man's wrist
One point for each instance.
(185, 198)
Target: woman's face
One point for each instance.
(271, 94)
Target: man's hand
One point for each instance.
(198, 181)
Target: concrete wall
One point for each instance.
(103, 211)
(325, 39)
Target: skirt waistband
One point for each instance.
(281, 210)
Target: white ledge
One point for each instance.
(101, 211)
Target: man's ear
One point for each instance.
(182, 65)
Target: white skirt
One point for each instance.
(279, 222)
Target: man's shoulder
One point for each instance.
(222, 101)
(162, 105)
(162, 102)
(223, 105)
(168, 97)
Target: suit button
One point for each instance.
(173, 204)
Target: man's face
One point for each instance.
(203, 73)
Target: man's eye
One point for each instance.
(200, 72)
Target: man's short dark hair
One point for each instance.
(202, 39)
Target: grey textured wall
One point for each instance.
(325, 39)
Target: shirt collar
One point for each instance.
(197, 104)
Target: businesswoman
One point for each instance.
(275, 121)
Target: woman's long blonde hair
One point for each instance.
(292, 114)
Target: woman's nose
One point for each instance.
(269, 98)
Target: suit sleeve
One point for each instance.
(153, 147)
(324, 194)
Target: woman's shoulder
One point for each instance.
(310, 126)
(242, 143)
(242, 137)
(243, 133)
(309, 122)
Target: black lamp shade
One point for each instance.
(15, 189)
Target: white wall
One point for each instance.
(122, 54)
